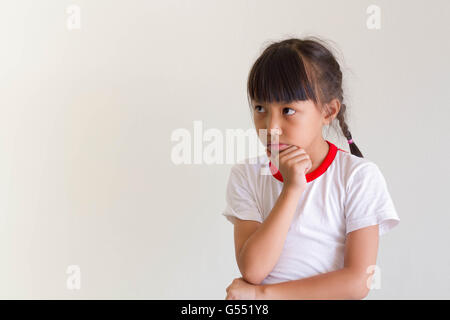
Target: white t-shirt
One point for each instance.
(343, 194)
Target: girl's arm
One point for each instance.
(335, 285)
(350, 282)
(261, 251)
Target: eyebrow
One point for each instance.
(282, 104)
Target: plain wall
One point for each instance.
(86, 117)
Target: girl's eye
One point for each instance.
(290, 109)
(258, 107)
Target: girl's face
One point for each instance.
(297, 123)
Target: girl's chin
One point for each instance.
(279, 149)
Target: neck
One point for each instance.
(317, 152)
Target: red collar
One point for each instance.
(310, 176)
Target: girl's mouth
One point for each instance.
(277, 147)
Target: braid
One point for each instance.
(300, 69)
(353, 148)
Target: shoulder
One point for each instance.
(250, 168)
(356, 168)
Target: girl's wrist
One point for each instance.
(294, 190)
(260, 292)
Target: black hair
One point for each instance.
(299, 69)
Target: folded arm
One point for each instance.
(350, 282)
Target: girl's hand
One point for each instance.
(293, 163)
(240, 289)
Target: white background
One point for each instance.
(86, 116)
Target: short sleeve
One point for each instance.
(240, 199)
(368, 201)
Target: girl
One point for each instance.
(310, 228)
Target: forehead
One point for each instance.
(298, 103)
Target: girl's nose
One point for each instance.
(273, 125)
(274, 131)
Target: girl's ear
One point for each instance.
(331, 111)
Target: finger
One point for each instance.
(276, 152)
(300, 159)
(287, 150)
(309, 163)
(276, 155)
(297, 158)
(293, 154)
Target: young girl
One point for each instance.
(310, 229)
